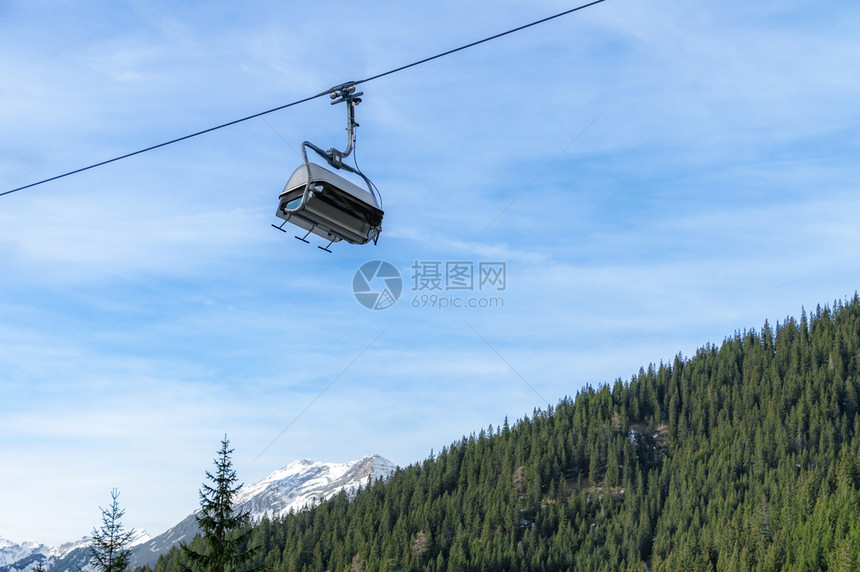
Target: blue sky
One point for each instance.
(672, 173)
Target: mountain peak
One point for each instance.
(307, 482)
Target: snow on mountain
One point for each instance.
(12, 553)
(70, 556)
(63, 549)
(305, 483)
(137, 537)
(299, 485)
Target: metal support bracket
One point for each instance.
(344, 93)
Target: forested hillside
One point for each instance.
(743, 456)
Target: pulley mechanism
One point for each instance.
(322, 202)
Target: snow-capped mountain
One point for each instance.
(299, 485)
(12, 553)
(70, 556)
(19, 557)
(305, 483)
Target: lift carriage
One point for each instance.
(322, 202)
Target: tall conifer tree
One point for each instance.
(224, 530)
(108, 552)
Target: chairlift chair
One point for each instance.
(322, 202)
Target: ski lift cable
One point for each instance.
(473, 44)
(165, 144)
(304, 100)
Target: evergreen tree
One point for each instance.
(224, 531)
(108, 552)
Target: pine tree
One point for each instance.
(108, 552)
(224, 531)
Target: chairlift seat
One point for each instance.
(330, 206)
